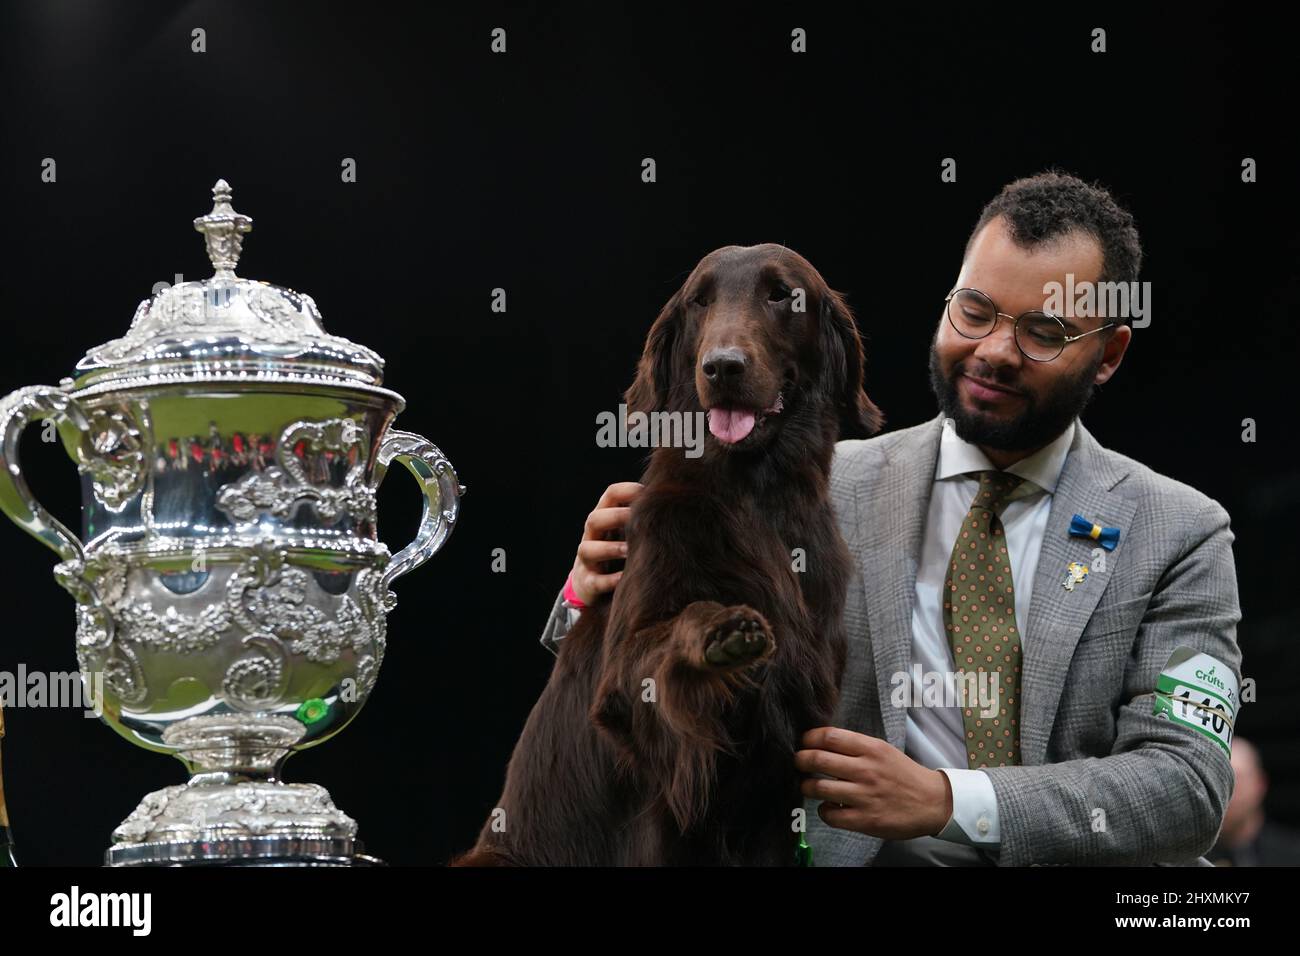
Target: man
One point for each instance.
(961, 529)
(1249, 837)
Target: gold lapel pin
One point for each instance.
(1074, 574)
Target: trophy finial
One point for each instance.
(223, 229)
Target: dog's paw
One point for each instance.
(738, 635)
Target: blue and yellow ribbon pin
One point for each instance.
(1081, 527)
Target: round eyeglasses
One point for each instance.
(1040, 336)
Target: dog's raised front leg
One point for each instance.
(666, 692)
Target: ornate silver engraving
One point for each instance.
(112, 453)
(266, 597)
(281, 488)
(258, 680)
(367, 674)
(171, 631)
(123, 676)
(178, 320)
(194, 812)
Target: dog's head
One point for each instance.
(757, 339)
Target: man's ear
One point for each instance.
(845, 362)
(1117, 343)
(650, 390)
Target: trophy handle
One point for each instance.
(17, 411)
(442, 493)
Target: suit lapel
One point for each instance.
(1057, 617)
(891, 512)
(891, 516)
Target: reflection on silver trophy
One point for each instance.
(229, 582)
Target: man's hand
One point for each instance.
(879, 790)
(611, 514)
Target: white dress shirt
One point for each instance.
(936, 736)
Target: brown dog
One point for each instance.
(667, 732)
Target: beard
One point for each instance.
(1042, 419)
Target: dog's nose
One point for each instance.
(721, 365)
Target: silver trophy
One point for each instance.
(229, 583)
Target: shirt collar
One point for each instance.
(1043, 467)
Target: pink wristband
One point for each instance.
(570, 595)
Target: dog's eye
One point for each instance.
(780, 292)
(701, 300)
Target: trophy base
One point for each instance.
(215, 820)
(261, 852)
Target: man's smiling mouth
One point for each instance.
(983, 389)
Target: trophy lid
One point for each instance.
(226, 328)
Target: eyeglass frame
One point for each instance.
(1015, 324)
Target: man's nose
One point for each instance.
(722, 365)
(999, 346)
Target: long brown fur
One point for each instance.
(642, 750)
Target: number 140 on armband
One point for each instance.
(1199, 692)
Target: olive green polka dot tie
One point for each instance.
(979, 614)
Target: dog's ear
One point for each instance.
(845, 361)
(649, 391)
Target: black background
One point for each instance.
(522, 171)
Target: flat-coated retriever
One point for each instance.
(667, 732)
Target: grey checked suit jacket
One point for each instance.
(1089, 738)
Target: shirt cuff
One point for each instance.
(974, 820)
(558, 624)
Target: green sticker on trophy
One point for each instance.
(1199, 692)
(313, 710)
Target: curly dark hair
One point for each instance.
(1053, 203)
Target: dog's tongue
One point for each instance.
(730, 425)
